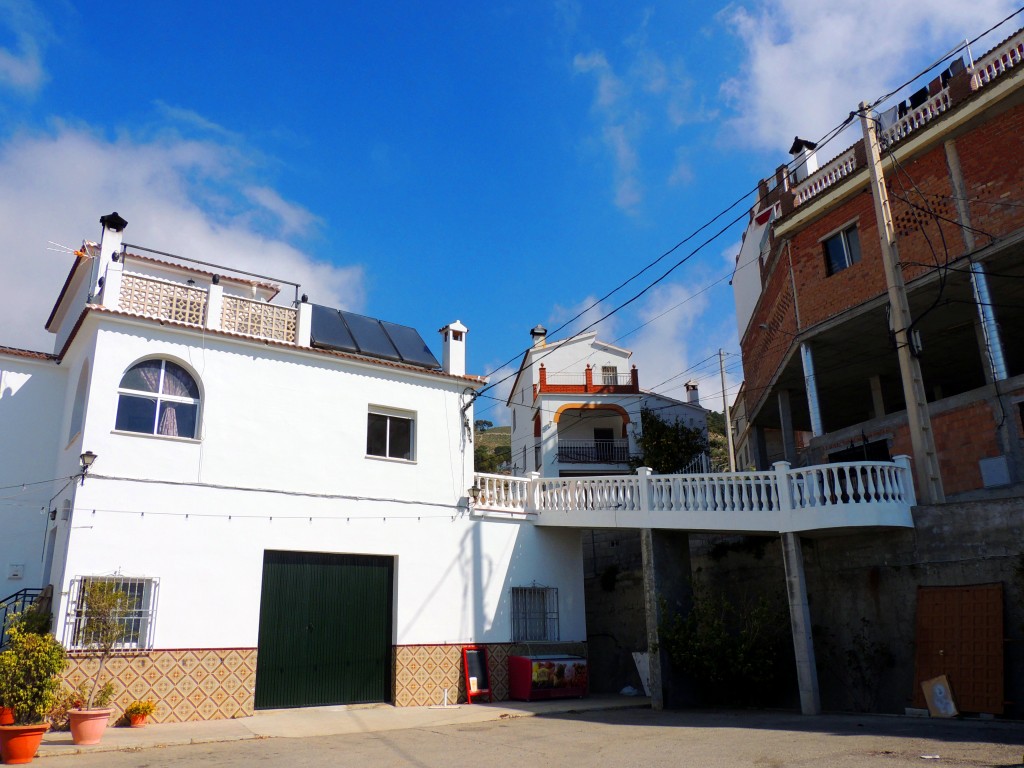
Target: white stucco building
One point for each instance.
(282, 488)
(576, 407)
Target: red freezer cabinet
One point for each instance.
(531, 678)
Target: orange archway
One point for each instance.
(592, 407)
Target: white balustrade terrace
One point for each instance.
(819, 498)
(830, 174)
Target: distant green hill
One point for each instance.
(491, 448)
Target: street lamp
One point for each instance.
(87, 459)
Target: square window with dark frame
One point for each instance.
(534, 614)
(842, 250)
(390, 436)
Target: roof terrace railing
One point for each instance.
(837, 495)
(206, 307)
(997, 62)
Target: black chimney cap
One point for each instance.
(113, 221)
(799, 145)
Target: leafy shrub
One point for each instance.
(735, 654)
(30, 671)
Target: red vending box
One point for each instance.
(554, 676)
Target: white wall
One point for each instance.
(669, 409)
(31, 399)
(568, 357)
(284, 437)
(746, 280)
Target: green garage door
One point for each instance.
(325, 630)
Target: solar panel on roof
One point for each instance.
(329, 331)
(361, 335)
(410, 345)
(370, 336)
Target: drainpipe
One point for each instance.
(989, 328)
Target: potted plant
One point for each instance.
(138, 711)
(101, 608)
(30, 672)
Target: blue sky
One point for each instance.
(504, 165)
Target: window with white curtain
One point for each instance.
(158, 397)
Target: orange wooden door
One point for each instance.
(960, 635)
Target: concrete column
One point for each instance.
(786, 420)
(304, 324)
(214, 306)
(666, 571)
(811, 385)
(759, 449)
(112, 284)
(877, 401)
(800, 622)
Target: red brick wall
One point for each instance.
(963, 437)
(992, 160)
(821, 296)
(917, 190)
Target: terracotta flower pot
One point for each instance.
(6, 716)
(137, 721)
(87, 725)
(19, 743)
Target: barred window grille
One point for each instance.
(137, 621)
(534, 614)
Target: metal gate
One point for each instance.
(325, 630)
(960, 635)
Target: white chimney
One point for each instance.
(692, 395)
(110, 252)
(453, 358)
(539, 334)
(805, 159)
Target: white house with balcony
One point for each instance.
(281, 488)
(576, 404)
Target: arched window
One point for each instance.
(158, 397)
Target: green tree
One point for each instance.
(484, 459)
(666, 446)
(104, 606)
(482, 425)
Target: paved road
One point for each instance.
(617, 739)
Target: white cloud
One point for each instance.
(21, 65)
(294, 219)
(192, 118)
(181, 196)
(491, 406)
(589, 311)
(631, 101)
(682, 172)
(664, 346)
(610, 89)
(808, 63)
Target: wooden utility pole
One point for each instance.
(725, 413)
(922, 439)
